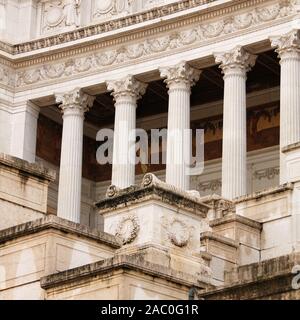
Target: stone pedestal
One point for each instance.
(161, 222)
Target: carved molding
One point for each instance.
(127, 229)
(132, 52)
(142, 49)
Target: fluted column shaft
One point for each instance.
(179, 79)
(234, 65)
(288, 48)
(73, 105)
(126, 92)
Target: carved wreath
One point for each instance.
(178, 233)
(127, 229)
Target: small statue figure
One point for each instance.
(72, 12)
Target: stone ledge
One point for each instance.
(265, 193)
(133, 262)
(264, 280)
(236, 218)
(32, 169)
(291, 147)
(54, 222)
(138, 194)
(212, 236)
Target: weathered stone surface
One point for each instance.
(271, 279)
(23, 191)
(133, 270)
(59, 224)
(134, 195)
(46, 246)
(32, 169)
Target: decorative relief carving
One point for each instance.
(103, 9)
(75, 100)
(212, 186)
(127, 229)
(112, 191)
(59, 14)
(145, 48)
(236, 59)
(269, 173)
(6, 76)
(127, 86)
(288, 43)
(181, 73)
(178, 232)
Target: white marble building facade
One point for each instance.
(58, 58)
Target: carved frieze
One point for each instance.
(6, 76)
(151, 46)
(105, 9)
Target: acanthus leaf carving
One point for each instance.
(159, 45)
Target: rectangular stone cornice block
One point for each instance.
(265, 193)
(56, 223)
(26, 168)
(268, 279)
(134, 263)
(207, 236)
(137, 195)
(237, 219)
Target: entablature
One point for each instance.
(192, 35)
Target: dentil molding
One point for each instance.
(160, 43)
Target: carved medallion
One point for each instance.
(178, 233)
(127, 229)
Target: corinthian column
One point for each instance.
(126, 92)
(73, 105)
(288, 48)
(179, 80)
(234, 65)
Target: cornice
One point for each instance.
(110, 40)
(104, 27)
(192, 30)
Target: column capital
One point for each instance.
(237, 59)
(288, 43)
(126, 87)
(74, 100)
(182, 73)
